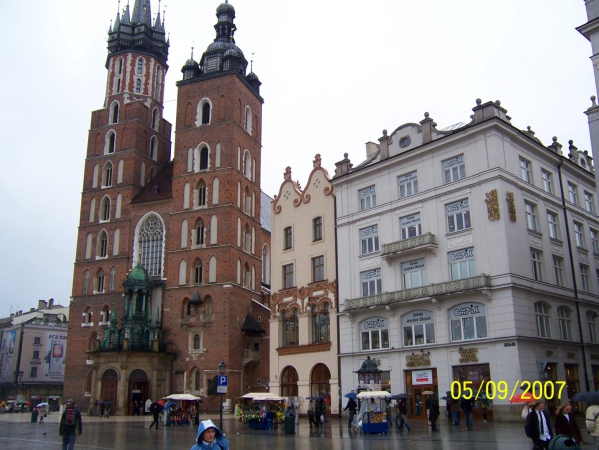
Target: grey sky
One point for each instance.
(334, 73)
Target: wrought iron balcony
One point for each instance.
(248, 356)
(424, 241)
(433, 290)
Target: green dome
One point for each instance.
(138, 275)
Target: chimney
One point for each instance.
(50, 303)
(371, 148)
(31, 309)
(41, 304)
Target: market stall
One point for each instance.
(180, 408)
(261, 410)
(375, 414)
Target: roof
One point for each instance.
(265, 214)
(159, 188)
(250, 324)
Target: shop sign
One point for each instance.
(374, 323)
(386, 377)
(420, 377)
(417, 317)
(468, 355)
(418, 359)
(467, 309)
(509, 344)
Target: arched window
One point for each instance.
(140, 66)
(155, 118)
(199, 274)
(202, 194)
(543, 319)
(565, 322)
(289, 380)
(110, 142)
(321, 324)
(86, 282)
(320, 382)
(214, 230)
(116, 242)
(154, 148)
(206, 113)
(107, 175)
(88, 246)
(186, 191)
(114, 113)
(105, 313)
(152, 174)
(95, 177)
(92, 209)
(200, 233)
(247, 202)
(119, 66)
(204, 158)
(196, 342)
(182, 272)
(374, 333)
(247, 164)
(112, 281)
(591, 316)
(247, 239)
(246, 276)
(215, 189)
(212, 270)
(119, 173)
(265, 265)
(158, 87)
(105, 209)
(290, 328)
(150, 241)
(248, 120)
(197, 380)
(99, 282)
(102, 250)
(87, 315)
(189, 160)
(138, 86)
(184, 231)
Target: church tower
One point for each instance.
(128, 145)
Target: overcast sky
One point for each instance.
(334, 73)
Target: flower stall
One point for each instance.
(261, 410)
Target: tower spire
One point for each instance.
(142, 12)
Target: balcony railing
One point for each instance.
(424, 241)
(248, 356)
(478, 282)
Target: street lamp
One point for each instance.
(221, 367)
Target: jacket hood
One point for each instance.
(204, 425)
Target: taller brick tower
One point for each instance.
(167, 279)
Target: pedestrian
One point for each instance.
(455, 412)
(70, 426)
(43, 412)
(484, 404)
(448, 409)
(466, 405)
(155, 409)
(402, 412)
(427, 405)
(434, 412)
(102, 409)
(565, 423)
(318, 410)
(209, 437)
(311, 414)
(592, 422)
(538, 426)
(351, 406)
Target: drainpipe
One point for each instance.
(19, 360)
(339, 391)
(571, 256)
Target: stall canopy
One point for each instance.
(263, 396)
(374, 394)
(178, 397)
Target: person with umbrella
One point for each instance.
(434, 412)
(155, 409)
(351, 406)
(311, 414)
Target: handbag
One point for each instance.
(321, 419)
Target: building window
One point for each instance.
(594, 241)
(288, 276)
(33, 373)
(140, 66)
(100, 278)
(199, 274)
(458, 215)
(105, 209)
(202, 194)
(418, 328)
(103, 247)
(36, 354)
(107, 175)
(86, 282)
(462, 264)
(290, 328)
(112, 281)
(206, 113)
(151, 235)
(247, 239)
(374, 333)
(410, 226)
(525, 170)
(535, 257)
(589, 202)
(204, 158)
(248, 120)
(565, 323)
(369, 238)
(138, 86)
(371, 282)
(367, 198)
(573, 193)
(408, 184)
(196, 342)
(200, 233)
(38, 340)
(531, 216)
(155, 118)
(553, 227)
(468, 321)
(558, 268)
(591, 316)
(104, 314)
(547, 181)
(414, 273)
(115, 113)
(317, 269)
(154, 148)
(321, 323)
(317, 229)
(579, 234)
(454, 169)
(543, 320)
(111, 142)
(288, 238)
(584, 276)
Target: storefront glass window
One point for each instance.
(468, 321)
(374, 333)
(418, 328)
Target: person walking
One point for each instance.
(155, 410)
(565, 423)
(592, 422)
(311, 414)
(43, 412)
(318, 410)
(402, 412)
(70, 426)
(466, 405)
(538, 426)
(455, 412)
(484, 404)
(102, 409)
(351, 406)
(209, 437)
(434, 412)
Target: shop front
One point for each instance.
(417, 382)
(474, 375)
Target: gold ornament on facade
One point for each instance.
(511, 206)
(418, 359)
(492, 205)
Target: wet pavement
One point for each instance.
(133, 433)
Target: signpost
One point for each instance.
(223, 383)
(221, 388)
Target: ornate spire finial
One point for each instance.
(287, 173)
(252, 63)
(317, 160)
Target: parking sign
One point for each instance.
(223, 382)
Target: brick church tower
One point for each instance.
(168, 266)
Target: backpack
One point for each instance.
(70, 419)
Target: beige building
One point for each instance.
(303, 349)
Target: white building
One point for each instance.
(468, 254)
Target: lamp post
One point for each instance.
(221, 367)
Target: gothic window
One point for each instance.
(184, 226)
(212, 270)
(247, 239)
(100, 282)
(138, 86)
(102, 250)
(92, 209)
(199, 275)
(105, 209)
(196, 342)
(202, 194)
(247, 202)
(119, 66)
(152, 174)
(154, 148)
(197, 380)
(95, 177)
(114, 113)
(247, 164)
(86, 282)
(150, 242)
(206, 113)
(88, 246)
(105, 313)
(158, 87)
(246, 276)
(112, 281)
(140, 66)
(110, 142)
(204, 158)
(182, 272)
(87, 315)
(200, 233)
(155, 118)
(248, 120)
(107, 175)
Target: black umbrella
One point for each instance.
(586, 397)
(314, 398)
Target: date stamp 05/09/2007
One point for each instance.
(502, 390)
